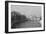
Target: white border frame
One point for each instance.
(24, 29)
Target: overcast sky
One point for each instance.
(27, 10)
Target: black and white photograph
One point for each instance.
(25, 16)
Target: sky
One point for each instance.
(27, 10)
